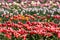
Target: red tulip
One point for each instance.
(8, 22)
(20, 26)
(26, 25)
(16, 34)
(35, 15)
(8, 35)
(9, 25)
(49, 34)
(48, 16)
(58, 35)
(38, 17)
(32, 17)
(15, 16)
(11, 18)
(52, 29)
(29, 23)
(0, 25)
(20, 23)
(4, 25)
(22, 31)
(7, 16)
(10, 29)
(33, 32)
(34, 23)
(24, 36)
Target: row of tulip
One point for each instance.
(28, 17)
(19, 30)
(29, 27)
(42, 1)
(16, 8)
(49, 4)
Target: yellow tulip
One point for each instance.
(0, 19)
(48, 20)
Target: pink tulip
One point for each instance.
(58, 35)
(10, 0)
(23, 0)
(1, 0)
(41, 0)
(8, 35)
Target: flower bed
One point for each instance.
(33, 21)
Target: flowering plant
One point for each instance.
(30, 20)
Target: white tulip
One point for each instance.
(11, 14)
(4, 12)
(54, 4)
(7, 12)
(51, 2)
(25, 2)
(29, 10)
(57, 3)
(37, 13)
(44, 12)
(14, 2)
(0, 3)
(52, 15)
(20, 9)
(33, 10)
(17, 4)
(33, 2)
(41, 9)
(6, 3)
(54, 9)
(38, 2)
(22, 3)
(36, 10)
(3, 3)
(10, 3)
(58, 10)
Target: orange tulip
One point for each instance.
(23, 17)
(27, 18)
(15, 18)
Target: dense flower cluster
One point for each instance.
(30, 20)
(22, 30)
(9, 27)
(29, 17)
(17, 8)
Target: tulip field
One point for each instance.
(29, 19)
